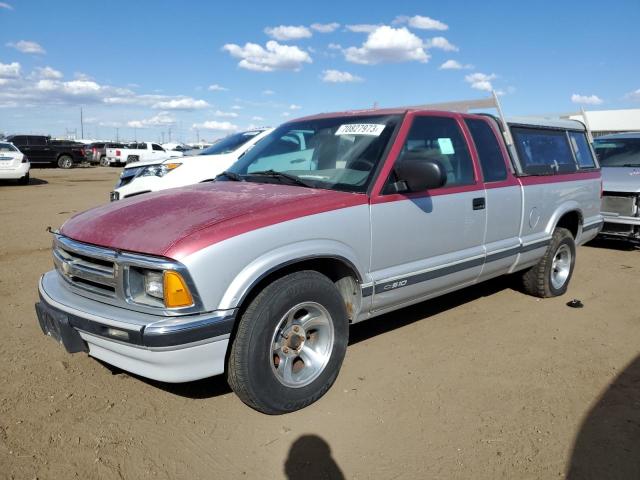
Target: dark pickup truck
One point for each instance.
(42, 150)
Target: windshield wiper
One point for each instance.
(632, 165)
(231, 176)
(281, 176)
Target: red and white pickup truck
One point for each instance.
(330, 220)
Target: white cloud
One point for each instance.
(334, 46)
(586, 99)
(257, 118)
(293, 106)
(26, 46)
(422, 23)
(288, 32)
(635, 95)
(362, 28)
(481, 81)
(10, 70)
(286, 114)
(454, 65)
(185, 103)
(217, 88)
(387, 44)
(441, 43)
(220, 113)
(48, 72)
(6, 6)
(325, 27)
(217, 126)
(274, 57)
(236, 107)
(268, 92)
(336, 76)
(159, 120)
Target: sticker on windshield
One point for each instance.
(446, 146)
(361, 129)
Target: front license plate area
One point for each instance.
(55, 324)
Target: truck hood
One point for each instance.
(621, 179)
(175, 223)
(182, 159)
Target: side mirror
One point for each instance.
(420, 174)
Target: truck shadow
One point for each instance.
(14, 183)
(613, 244)
(608, 443)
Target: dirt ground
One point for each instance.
(485, 383)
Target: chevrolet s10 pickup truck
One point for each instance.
(330, 220)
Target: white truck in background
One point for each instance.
(140, 152)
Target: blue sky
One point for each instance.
(210, 68)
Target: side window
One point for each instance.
(19, 140)
(581, 149)
(157, 147)
(489, 153)
(543, 151)
(37, 140)
(440, 139)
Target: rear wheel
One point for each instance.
(24, 180)
(65, 161)
(289, 344)
(132, 159)
(551, 275)
(103, 161)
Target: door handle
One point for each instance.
(479, 203)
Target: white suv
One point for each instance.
(144, 177)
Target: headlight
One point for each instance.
(168, 286)
(158, 170)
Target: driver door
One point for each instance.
(426, 243)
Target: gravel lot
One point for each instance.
(485, 383)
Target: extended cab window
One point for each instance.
(37, 140)
(157, 148)
(581, 150)
(440, 139)
(543, 151)
(489, 153)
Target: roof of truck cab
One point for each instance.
(532, 121)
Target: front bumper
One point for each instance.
(190, 348)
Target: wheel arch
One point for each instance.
(570, 216)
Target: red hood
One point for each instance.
(177, 222)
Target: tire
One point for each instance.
(132, 159)
(24, 180)
(550, 277)
(103, 161)
(297, 313)
(65, 161)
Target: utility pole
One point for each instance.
(162, 137)
(135, 133)
(198, 135)
(81, 125)
(169, 134)
(117, 137)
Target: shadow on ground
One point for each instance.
(310, 458)
(608, 443)
(614, 244)
(14, 183)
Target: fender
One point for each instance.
(566, 207)
(282, 257)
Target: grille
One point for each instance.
(619, 205)
(97, 275)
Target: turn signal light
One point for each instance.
(176, 293)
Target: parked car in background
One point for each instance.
(139, 152)
(259, 274)
(176, 147)
(96, 152)
(619, 157)
(137, 178)
(41, 150)
(14, 164)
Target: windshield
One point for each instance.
(230, 143)
(619, 152)
(7, 147)
(338, 153)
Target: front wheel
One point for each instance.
(551, 275)
(65, 161)
(289, 344)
